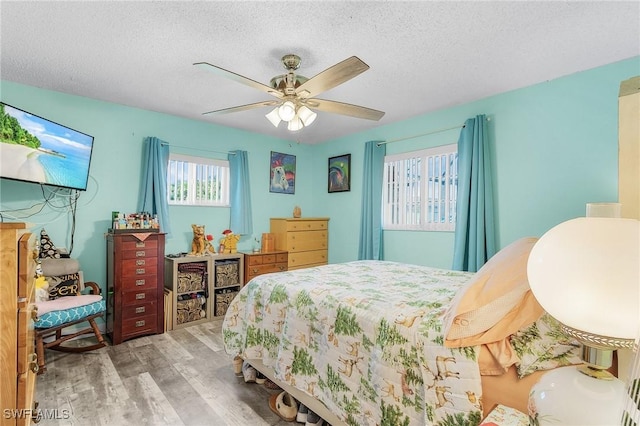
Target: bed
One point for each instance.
(375, 342)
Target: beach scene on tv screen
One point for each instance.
(38, 150)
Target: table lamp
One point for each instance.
(586, 274)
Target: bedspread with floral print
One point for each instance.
(363, 337)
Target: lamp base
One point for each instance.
(565, 396)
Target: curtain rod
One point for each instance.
(199, 149)
(424, 134)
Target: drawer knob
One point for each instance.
(140, 271)
(255, 271)
(33, 363)
(281, 268)
(140, 323)
(140, 244)
(140, 296)
(140, 262)
(140, 253)
(139, 282)
(140, 310)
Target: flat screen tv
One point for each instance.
(34, 149)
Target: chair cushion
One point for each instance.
(67, 309)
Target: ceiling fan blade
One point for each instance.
(243, 107)
(344, 109)
(240, 79)
(332, 77)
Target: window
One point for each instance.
(197, 181)
(420, 189)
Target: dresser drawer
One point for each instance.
(138, 310)
(306, 240)
(138, 297)
(255, 270)
(134, 267)
(306, 258)
(306, 225)
(26, 337)
(132, 243)
(260, 259)
(139, 253)
(139, 325)
(134, 283)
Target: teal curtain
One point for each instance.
(370, 246)
(240, 193)
(153, 191)
(474, 241)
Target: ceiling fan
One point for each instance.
(296, 94)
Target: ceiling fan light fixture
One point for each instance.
(287, 111)
(306, 115)
(274, 117)
(295, 124)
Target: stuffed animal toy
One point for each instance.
(201, 244)
(229, 242)
(42, 289)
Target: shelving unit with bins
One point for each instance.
(227, 281)
(189, 279)
(202, 286)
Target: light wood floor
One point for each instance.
(182, 377)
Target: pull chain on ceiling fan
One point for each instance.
(296, 93)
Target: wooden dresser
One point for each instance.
(18, 360)
(306, 239)
(135, 285)
(264, 263)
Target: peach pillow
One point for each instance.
(496, 302)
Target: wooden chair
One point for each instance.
(55, 316)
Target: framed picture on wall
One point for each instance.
(282, 177)
(340, 173)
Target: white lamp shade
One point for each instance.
(295, 124)
(306, 115)
(287, 111)
(274, 117)
(586, 273)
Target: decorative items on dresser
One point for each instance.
(305, 239)
(135, 294)
(18, 360)
(264, 263)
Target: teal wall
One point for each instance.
(554, 149)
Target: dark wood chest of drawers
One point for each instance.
(135, 285)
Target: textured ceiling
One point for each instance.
(424, 56)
